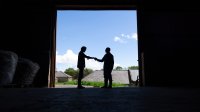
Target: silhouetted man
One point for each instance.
(81, 65)
(108, 60)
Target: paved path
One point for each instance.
(100, 100)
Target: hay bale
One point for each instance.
(25, 72)
(8, 63)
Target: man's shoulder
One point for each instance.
(111, 54)
(81, 52)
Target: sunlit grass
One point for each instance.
(88, 83)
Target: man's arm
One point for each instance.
(100, 60)
(88, 57)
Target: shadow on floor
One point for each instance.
(140, 99)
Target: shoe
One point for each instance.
(103, 87)
(80, 87)
(109, 87)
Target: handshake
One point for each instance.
(94, 58)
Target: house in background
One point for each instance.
(118, 76)
(62, 77)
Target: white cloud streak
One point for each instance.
(134, 36)
(120, 40)
(123, 38)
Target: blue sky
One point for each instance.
(96, 30)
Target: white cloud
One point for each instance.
(95, 65)
(123, 35)
(69, 59)
(134, 36)
(120, 40)
(123, 38)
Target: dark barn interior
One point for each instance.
(168, 42)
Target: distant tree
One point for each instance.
(133, 67)
(87, 71)
(118, 68)
(72, 72)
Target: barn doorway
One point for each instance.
(96, 30)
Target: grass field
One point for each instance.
(86, 83)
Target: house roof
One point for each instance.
(117, 76)
(61, 74)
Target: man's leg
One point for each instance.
(110, 80)
(105, 80)
(105, 83)
(80, 76)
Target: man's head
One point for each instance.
(107, 50)
(83, 49)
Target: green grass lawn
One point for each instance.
(87, 83)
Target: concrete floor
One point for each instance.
(141, 99)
